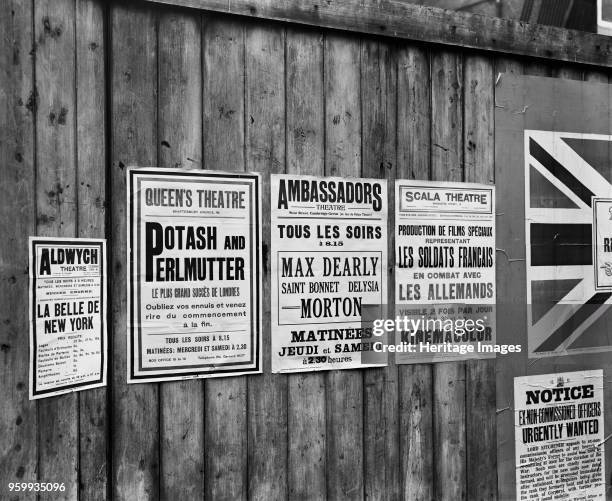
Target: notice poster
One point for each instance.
(559, 436)
(328, 261)
(444, 271)
(67, 315)
(194, 274)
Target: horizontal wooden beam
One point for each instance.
(398, 19)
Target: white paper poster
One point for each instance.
(328, 260)
(559, 436)
(194, 274)
(67, 315)
(444, 271)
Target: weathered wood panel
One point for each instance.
(18, 419)
(415, 381)
(448, 377)
(305, 132)
(344, 389)
(265, 153)
(510, 261)
(225, 403)
(92, 210)
(134, 408)
(191, 90)
(56, 211)
(378, 145)
(425, 24)
(179, 145)
(479, 160)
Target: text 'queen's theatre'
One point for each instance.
(194, 250)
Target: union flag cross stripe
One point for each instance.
(565, 174)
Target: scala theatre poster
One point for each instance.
(328, 261)
(553, 171)
(445, 270)
(194, 274)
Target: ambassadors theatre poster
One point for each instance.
(195, 273)
(328, 261)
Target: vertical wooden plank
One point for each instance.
(449, 377)
(179, 144)
(265, 153)
(415, 381)
(225, 399)
(479, 155)
(380, 393)
(135, 408)
(305, 103)
(447, 119)
(305, 133)
(344, 395)
(513, 315)
(180, 89)
(91, 196)
(413, 113)
(56, 201)
(18, 445)
(416, 431)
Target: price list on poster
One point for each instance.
(67, 312)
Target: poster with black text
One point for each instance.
(68, 344)
(559, 436)
(194, 274)
(444, 271)
(328, 261)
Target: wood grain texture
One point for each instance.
(379, 158)
(179, 145)
(56, 210)
(426, 24)
(342, 107)
(225, 399)
(265, 153)
(18, 439)
(344, 388)
(446, 116)
(223, 93)
(305, 132)
(479, 159)
(513, 316)
(180, 89)
(413, 113)
(135, 408)
(416, 431)
(92, 210)
(448, 377)
(415, 381)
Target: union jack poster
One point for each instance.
(568, 230)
